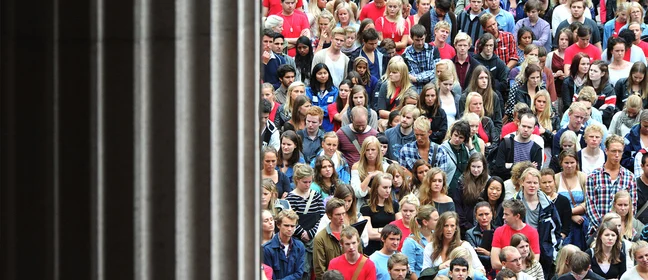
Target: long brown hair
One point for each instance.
(424, 213)
(405, 186)
(488, 95)
(473, 186)
(425, 195)
(437, 238)
(616, 248)
(516, 239)
(343, 191)
(319, 180)
(425, 109)
(373, 193)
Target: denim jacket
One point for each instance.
(285, 267)
(414, 252)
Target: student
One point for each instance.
(474, 235)
(352, 259)
(325, 243)
(436, 155)
(422, 228)
(518, 148)
(513, 211)
(397, 265)
(580, 268)
(390, 237)
(457, 150)
(421, 58)
(284, 264)
(511, 259)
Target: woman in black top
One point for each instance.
(380, 211)
(304, 58)
(430, 107)
(577, 73)
(608, 257)
(635, 84)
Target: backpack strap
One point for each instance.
(434, 154)
(356, 274)
(352, 137)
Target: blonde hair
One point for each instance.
(270, 186)
(273, 21)
(442, 25)
(634, 101)
(462, 252)
(587, 93)
(628, 229)
(450, 67)
(324, 14)
(422, 123)
(410, 199)
(400, 21)
(301, 171)
(288, 105)
(363, 163)
(425, 194)
(545, 117)
(405, 83)
(373, 193)
(562, 261)
(469, 98)
(530, 171)
(593, 128)
(635, 5)
(344, 6)
(424, 213)
(462, 36)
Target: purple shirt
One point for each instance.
(541, 30)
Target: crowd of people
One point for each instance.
(466, 139)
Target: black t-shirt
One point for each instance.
(379, 219)
(642, 199)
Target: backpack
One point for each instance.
(502, 172)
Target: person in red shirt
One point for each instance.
(393, 26)
(273, 7)
(408, 209)
(373, 10)
(636, 28)
(267, 93)
(514, 210)
(582, 45)
(295, 25)
(352, 262)
(441, 33)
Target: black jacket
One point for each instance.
(622, 94)
(473, 64)
(499, 71)
(495, 116)
(438, 125)
(567, 93)
(505, 155)
(429, 30)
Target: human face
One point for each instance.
(383, 149)
(614, 152)
(327, 169)
(397, 182)
(266, 196)
(637, 77)
(348, 201)
(361, 68)
(358, 99)
(533, 15)
(343, 16)
(526, 39)
(446, 86)
(462, 48)
(491, 27)
(268, 222)
(440, 68)
(303, 184)
(287, 146)
(636, 28)
(641, 257)
(476, 105)
(371, 153)
(449, 228)
(289, 6)
(350, 246)
(267, 43)
(484, 216)
(635, 14)
(395, 77)
(423, 6)
(531, 184)
(644, 128)
(350, 40)
(371, 45)
(421, 171)
(523, 248)
(622, 17)
(534, 53)
(338, 41)
(526, 127)
(437, 183)
(393, 8)
(324, 24)
(418, 42)
(322, 76)
(337, 217)
(434, 219)
(494, 191)
(534, 80)
(302, 49)
(408, 211)
(540, 104)
(618, 51)
(576, 119)
(493, 4)
(458, 272)
(422, 137)
(584, 65)
(547, 183)
(617, 222)
(593, 139)
(622, 206)
(304, 108)
(430, 97)
(632, 112)
(277, 45)
(577, 9)
(482, 80)
(297, 91)
(406, 121)
(457, 139)
(391, 242)
(583, 42)
(514, 261)
(474, 127)
(344, 90)
(476, 5)
(321, 4)
(563, 41)
(399, 271)
(395, 121)
(569, 165)
(287, 227)
(489, 48)
(269, 161)
(476, 168)
(384, 190)
(330, 146)
(406, 10)
(608, 238)
(267, 94)
(509, 218)
(441, 34)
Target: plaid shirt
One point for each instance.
(409, 154)
(601, 191)
(422, 64)
(506, 47)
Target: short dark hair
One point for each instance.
(332, 204)
(388, 230)
(579, 262)
(584, 31)
(278, 35)
(444, 5)
(369, 35)
(458, 262)
(483, 204)
(527, 115)
(505, 273)
(332, 275)
(516, 206)
(484, 39)
(463, 128)
(418, 31)
(532, 5)
(268, 32)
(628, 36)
(285, 69)
(575, 25)
(523, 111)
(266, 106)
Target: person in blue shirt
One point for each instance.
(284, 253)
(322, 92)
(390, 237)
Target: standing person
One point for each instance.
(304, 58)
(592, 156)
(577, 116)
(322, 93)
(442, 31)
(284, 253)
(468, 21)
(547, 120)
(494, 194)
(556, 60)
(359, 98)
(430, 107)
(530, 265)
(352, 260)
(358, 130)
(434, 190)
(618, 67)
(636, 140)
(532, 83)
(458, 149)
(337, 109)
(636, 83)
(540, 27)
(577, 8)
(630, 227)
(471, 183)
(376, 59)
(333, 57)
(286, 75)
(504, 18)
(370, 163)
(379, 211)
(518, 148)
(390, 238)
(475, 235)
(486, 129)
(582, 45)
(580, 266)
(481, 83)
(402, 133)
(571, 185)
(485, 55)
(449, 100)
(361, 65)
(440, 12)
(295, 25)
(372, 10)
(623, 121)
(612, 27)
(640, 254)
(351, 216)
(312, 136)
(325, 179)
(475, 127)
(392, 25)
(505, 41)
(268, 226)
(326, 242)
(637, 28)
(445, 239)
(642, 193)
(512, 261)
(409, 206)
(270, 171)
(574, 78)
(290, 153)
(269, 198)
(463, 61)
(608, 257)
(400, 183)
(513, 211)
(421, 58)
(422, 230)
(608, 180)
(422, 8)
(564, 207)
(423, 148)
(329, 149)
(269, 133)
(391, 91)
(397, 264)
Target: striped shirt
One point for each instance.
(298, 204)
(470, 25)
(601, 190)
